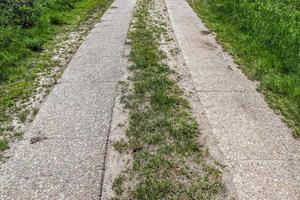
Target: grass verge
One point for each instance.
(162, 135)
(29, 31)
(264, 38)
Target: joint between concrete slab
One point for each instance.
(80, 82)
(225, 91)
(60, 138)
(254, 160)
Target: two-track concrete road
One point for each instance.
(242, 131)
(75, 119)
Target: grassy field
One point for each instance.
(168, 162)
(27, 28)
(264, 37)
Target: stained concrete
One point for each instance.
(262, 158)
(74, 122)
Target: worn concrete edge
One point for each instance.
(113, 160)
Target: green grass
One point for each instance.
(264, 37)
(27, 29)
(162, 134)
(118, 185)
(3, 145)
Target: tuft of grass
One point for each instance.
(264, 37)
(3, 145)
(35, 111)
(121, 146)
(57, 19)
(23, 115)
(168, 162)
(34, 44)
(118, 185)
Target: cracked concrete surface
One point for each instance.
(241, 131)
(73, 122)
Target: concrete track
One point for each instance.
(62, 155)
(242, 132)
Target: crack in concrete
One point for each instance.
(106, 148)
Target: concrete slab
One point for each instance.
(77, 125)
(241, 131)
(67, 159)
(113, 18)
(105, 70)
(267, 179)
(246, 128)
(79, 98)
(217, 75)
(53, 169)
